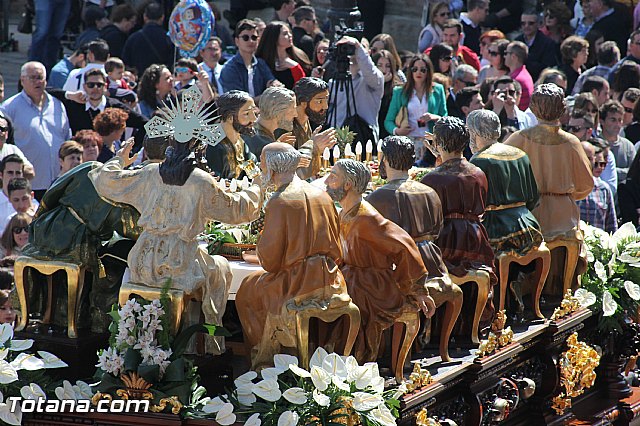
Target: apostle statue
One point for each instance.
(416, 208)
(382, 265)
(560, 166)
(462, 188)
(176, 200)
(299, 250)
(238, 114)
(512, 193)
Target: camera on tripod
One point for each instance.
(339, 53)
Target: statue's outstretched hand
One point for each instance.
(427, 305)
(125, 151)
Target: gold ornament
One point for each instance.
(423, 420)
(569, 305)
(172, 401)
(499, 337)
(418, 378)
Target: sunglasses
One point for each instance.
(446, 58)
(93, 84)
(182, 69)
(421, 69)
(494, 53)
(527, 23)
(629, 110)
(468, 83)
(246, 37)
(601, 164)
(443, 14)
(19, 229)
(3, 129)
(509, 92)
(572, 129)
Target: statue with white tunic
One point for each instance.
(176, 199)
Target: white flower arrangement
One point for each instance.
(335, 387)
(137, 328)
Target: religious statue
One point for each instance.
(416, 208)
(176, 200)
(462, 188)
(299, 250)
(229, 157)
(382, 265)
(562, 171)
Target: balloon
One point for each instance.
(190, 26)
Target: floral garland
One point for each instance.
(336, 390)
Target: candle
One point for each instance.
(369, 149)
(233, 186)
(347, 151)
(358, 151)
(326, 154)
(244, 184)
(336, 153)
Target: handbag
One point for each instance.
(402, 119)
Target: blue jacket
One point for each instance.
(234, 75)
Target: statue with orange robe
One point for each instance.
(299, 249)
(373, 246)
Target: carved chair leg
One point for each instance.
(481, 302)
(46, 319)
(426, 334)
(72, 297)
(20, 278)
(354, 328)
(543, 264)
(410, 332)
(571, 260)
(302, 335)
(451, 314)
(503, 267)
(397, 335)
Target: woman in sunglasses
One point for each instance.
(496, 67)
(557, 17)
(432, 33)
(15, 236)
(424, 102)
(287, 62)
(441, 55)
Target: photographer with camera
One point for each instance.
(368, 87)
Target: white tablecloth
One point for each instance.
(240, 270)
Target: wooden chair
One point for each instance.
(75, 283)
(327, 314)
(483, 281)
(542, 256)
(399, 353)
(178, 299)
(572, 245)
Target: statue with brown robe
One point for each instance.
(299, 249)
(416, 208)
(373, 246)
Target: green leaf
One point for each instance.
(132, 359)
(151, 373)
(175, 371)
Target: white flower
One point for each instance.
(320, 378)
(82, 390)
(318, 356)
(335, 366)
(383, 416)
(27, 362)
(20, 345)
(254, 420)
(633, 290)
(601, 272)
(590, 256)
(226, 416)
(625, 231)
(288, 418)
(33, 391)
(245, 395)
(213, 405)
(377, 384)
(247, 377)
(609, 306)
(363, 401)
(340, 384)
(295, 396)
(321, 399)
(65, 391)
(301, 372)
(585, 297)
(111, 361)
(6, 333)
(282, 362)
(267, 390)
(270, 373)
(12, 418)
(402, 389)
(362, 377)
(51, 361)
(353, 368)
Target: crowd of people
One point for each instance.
(471, 55)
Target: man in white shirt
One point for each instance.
(211, 54)
(97, 55)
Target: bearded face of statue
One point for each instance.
(244, 120)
